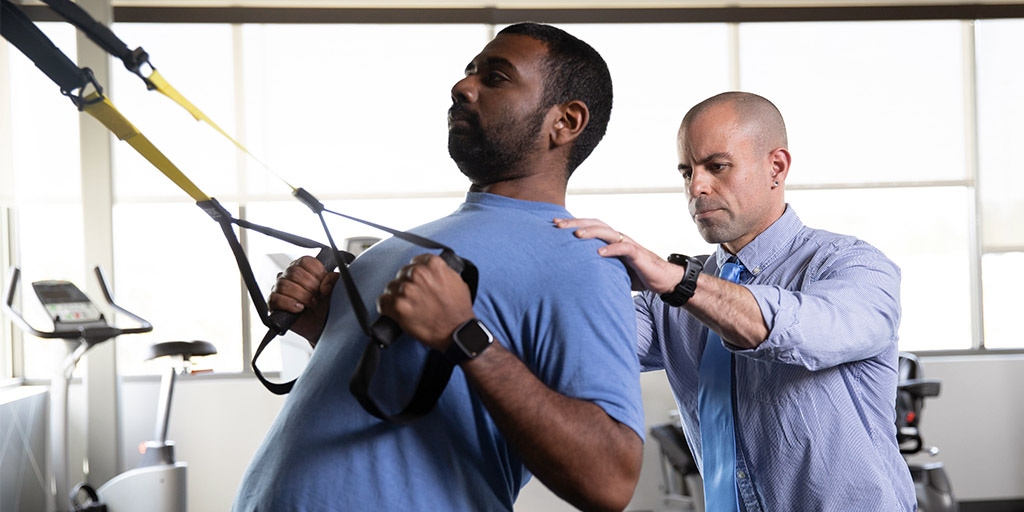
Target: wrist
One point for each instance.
(468, 341)
(673, 275)
(687, 285)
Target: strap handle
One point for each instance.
(437, 369)
(278, 323)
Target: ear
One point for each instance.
(780, 160)
(572, 118)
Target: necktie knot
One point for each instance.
(731, 271)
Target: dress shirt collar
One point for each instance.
(766, 248)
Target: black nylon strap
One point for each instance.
(223, 218)
(436, 370)
(17, 28)
(433, 380)
(277, 322)
(382, 332)
(102, 36)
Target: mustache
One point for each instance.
(703, 204)
(458, 112)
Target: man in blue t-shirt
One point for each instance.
(546, 381)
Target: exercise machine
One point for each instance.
(931, 483)
(681, 480)
(158, 483)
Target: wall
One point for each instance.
(976, 422)
(23, 416)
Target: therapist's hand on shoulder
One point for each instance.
(429, 301)
(647, 270)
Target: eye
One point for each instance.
(495, 78)
(686, 173)
(715, 167)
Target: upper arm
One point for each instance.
(845, 307)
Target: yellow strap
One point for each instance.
(105, 112)
(165, 88)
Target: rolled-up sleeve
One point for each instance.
(846, 308)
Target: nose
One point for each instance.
(464, 91)
(700, 182)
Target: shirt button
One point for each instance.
(741, 475)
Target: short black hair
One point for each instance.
(573, 71)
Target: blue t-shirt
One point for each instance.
(549, 298)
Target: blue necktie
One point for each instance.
(714, 407)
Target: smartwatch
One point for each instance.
(468, 341)
(684, 290)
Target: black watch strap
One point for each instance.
(468, 341)
(684, 290)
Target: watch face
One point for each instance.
(473, 338)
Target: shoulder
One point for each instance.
(835, 252)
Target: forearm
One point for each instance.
(573, 446)
(730, 310)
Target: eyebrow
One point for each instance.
(712, 157)
(491, 62)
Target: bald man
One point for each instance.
(809, 330)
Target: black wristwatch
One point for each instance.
(684, 290)
(468, 341)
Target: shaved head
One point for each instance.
(733, 156)
(759, 119)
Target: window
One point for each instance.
(1001, 180)
(46, 211)
(891, 143)
(869, 106)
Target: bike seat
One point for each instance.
(185, 349)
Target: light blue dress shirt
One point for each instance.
(815, 402)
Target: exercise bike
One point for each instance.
(158, 483)
(934, 490)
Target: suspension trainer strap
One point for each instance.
(101, 35)
(134, 60)
(17, 28)
(20, 31)
(106, 113)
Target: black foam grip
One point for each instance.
(281, 321)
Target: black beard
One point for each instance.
(488, 158)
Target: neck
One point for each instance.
(538, 187)
(539, 181)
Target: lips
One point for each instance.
(459, 117)
(701, 214)
(701, 209)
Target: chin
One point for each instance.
(711, 235)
